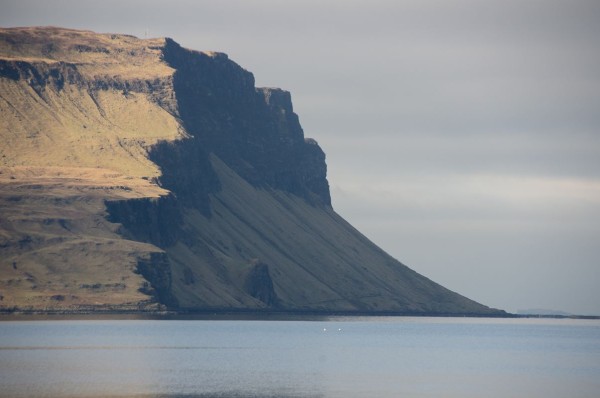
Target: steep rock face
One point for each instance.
(254, 131)
(259, 285)
(222, 203)
(153, 220)
(41, 74)
(156, 269)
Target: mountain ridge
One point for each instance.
(205, 184)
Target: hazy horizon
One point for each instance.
(462, 137)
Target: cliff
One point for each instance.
(139, 175)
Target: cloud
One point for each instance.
(502, 240)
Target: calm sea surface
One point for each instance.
(340, 357)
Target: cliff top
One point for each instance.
(95, 54)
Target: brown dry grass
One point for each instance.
(94, 54)
(74, 128)
(58, 249)
(63, 152)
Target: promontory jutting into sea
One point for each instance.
(138, 175)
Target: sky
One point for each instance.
(463, 137)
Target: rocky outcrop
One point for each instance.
(157, 271)
(41, 74)
(186, 171)
(152, 220)
(259, 285)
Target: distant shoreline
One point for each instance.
(557, 316)
(208, 314)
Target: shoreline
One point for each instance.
(248, 315)
(221, 314)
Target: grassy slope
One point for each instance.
(73, 127)
(63, 151)
(58, 250)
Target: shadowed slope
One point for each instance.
(316, 260)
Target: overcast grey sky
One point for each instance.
(463, 137)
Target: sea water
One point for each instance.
(336, 357)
